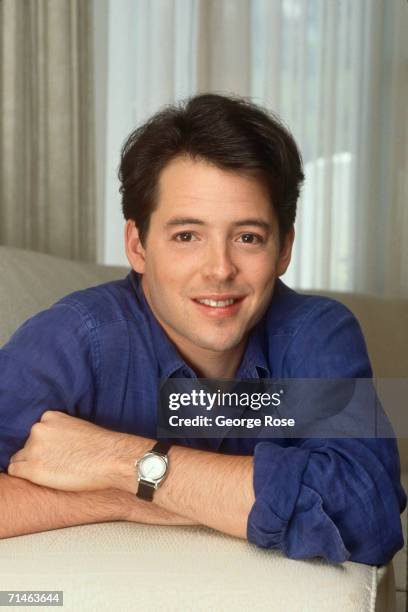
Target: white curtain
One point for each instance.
(335, 72)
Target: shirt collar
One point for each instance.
(253, 364)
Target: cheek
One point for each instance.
(261, 271)
(175, 264)
(166, 276)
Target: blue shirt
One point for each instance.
(99, 353)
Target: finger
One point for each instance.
(18, 469)
(28, 470)
(18, 456)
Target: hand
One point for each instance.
(71, 454)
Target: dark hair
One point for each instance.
(230, 132)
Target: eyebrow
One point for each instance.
(193, 221)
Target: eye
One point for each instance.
(252, 238)
(183, 237)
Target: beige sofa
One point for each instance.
(127, 566)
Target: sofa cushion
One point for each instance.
(30, 282)
(384, 322)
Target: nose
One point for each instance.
(219, 264)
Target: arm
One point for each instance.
(49, 363)
(28, 508)
(70, 454)
(213, 489)
(320, 498)
(339, 499)
(345, 494)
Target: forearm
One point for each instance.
(28, 508)
(70, 454)
(213, 489)
(209, 488)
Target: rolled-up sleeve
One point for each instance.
(338, 498)
(335, 499)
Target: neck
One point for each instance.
(208, 364)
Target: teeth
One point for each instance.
(217, 303)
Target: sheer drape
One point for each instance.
(47, 178)
(336, 74)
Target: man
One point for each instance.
(209, 194)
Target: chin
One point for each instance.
(217, 345)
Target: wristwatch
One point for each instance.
(151, 470)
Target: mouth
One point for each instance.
(219, 306)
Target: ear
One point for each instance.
(134, 250)
(286, 252)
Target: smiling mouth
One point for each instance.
(218, 303)
(225, 306)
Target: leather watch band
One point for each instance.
(145, 491)
(161, 447)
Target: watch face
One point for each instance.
(152, 467)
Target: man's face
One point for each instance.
(211, 256)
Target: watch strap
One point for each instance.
(161, 447)
(145, 491)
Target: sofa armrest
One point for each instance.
(128, 566)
